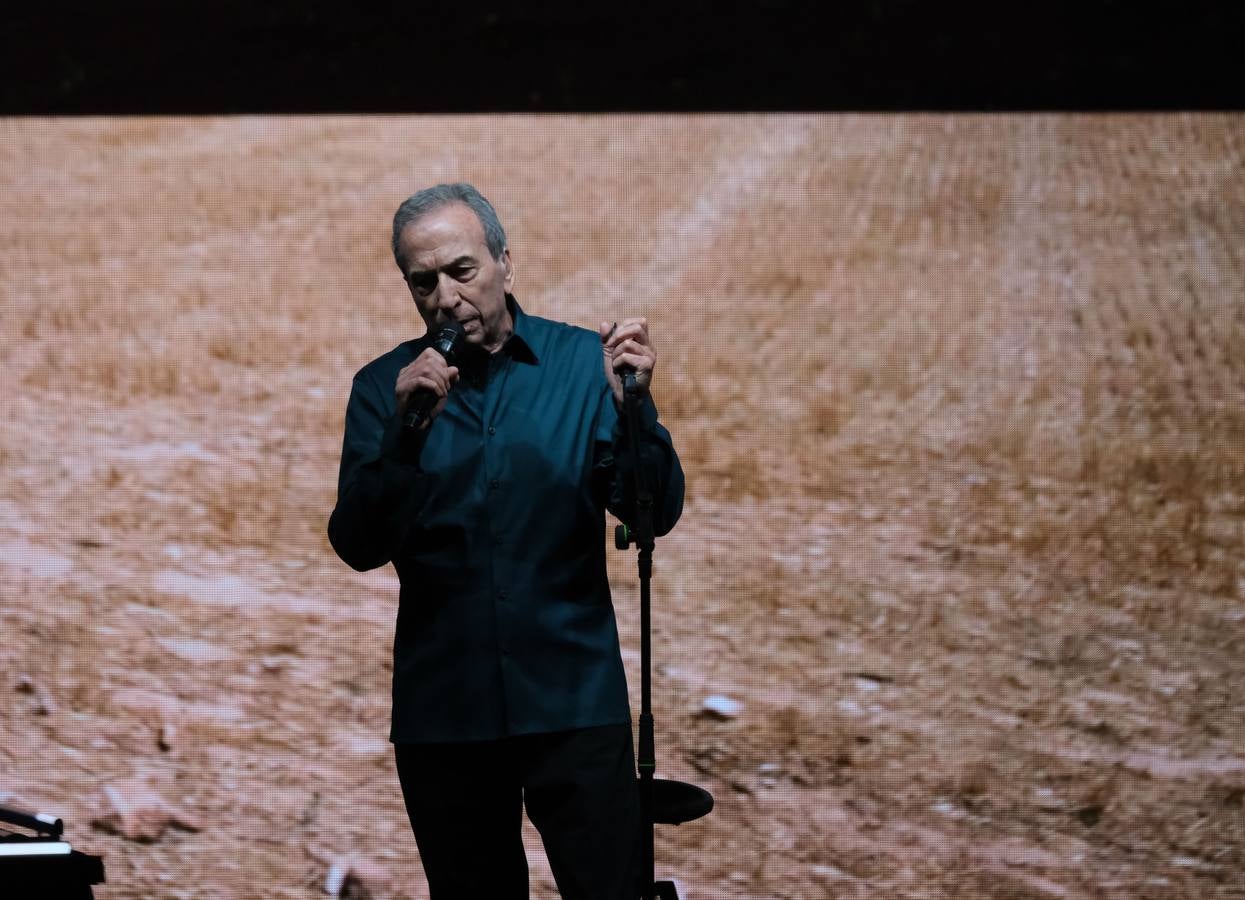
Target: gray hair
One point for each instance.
(423, 202)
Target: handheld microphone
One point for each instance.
(447, 342)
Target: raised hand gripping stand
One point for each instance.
(661, 800)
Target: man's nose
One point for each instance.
(447, 292)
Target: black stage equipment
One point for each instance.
(42, 864)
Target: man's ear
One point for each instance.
(508, 268)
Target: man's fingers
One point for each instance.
(638, 361)
(631, 338)
(440, 382)
(638, 357)
(631, 345)
(426, 376)
(626, 345)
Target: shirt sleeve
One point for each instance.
(616, 462)
(380, 486)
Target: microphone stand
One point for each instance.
(682, 802)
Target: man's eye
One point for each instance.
(424, 282)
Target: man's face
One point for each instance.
(452, 275)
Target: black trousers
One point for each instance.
(466, 800)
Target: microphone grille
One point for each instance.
(448, 337)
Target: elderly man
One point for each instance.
(508, 684)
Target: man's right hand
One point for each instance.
(430, 372)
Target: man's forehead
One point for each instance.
(445, 253)
(450, 222)
(442, 236)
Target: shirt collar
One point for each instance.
(519, 344)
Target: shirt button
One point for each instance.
(494, 484)
(502, 594)
(492, 430)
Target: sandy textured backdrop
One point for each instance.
(961, 402)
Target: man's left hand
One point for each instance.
(626, 344)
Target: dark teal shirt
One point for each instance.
(495, 522)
